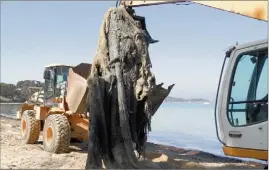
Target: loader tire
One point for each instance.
(56, 134)
(30, 127)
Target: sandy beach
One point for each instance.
(15, 155)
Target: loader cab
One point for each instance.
(242, 105)
(55, 77)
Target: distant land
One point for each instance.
(18, 93)
(182, 100)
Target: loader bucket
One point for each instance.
(77, 88)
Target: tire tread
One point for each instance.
(63, 133)
(34, 127)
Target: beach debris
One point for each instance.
(122, 93)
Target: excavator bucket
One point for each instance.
(157, 95)
(77, 88)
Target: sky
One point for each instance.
(193, 40)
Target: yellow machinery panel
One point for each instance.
(246, 153)
(41, 112)
(79, 126)
(253, 9)
(24, 107)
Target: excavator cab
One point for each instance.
(242, 108)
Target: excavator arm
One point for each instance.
(253, 9)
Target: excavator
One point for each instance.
(241, 108)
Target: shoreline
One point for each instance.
(16, 155)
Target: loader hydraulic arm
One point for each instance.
(254, 9)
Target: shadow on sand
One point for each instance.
(167, 157)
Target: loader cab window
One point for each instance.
(249, 94)
(61, 74)
(61, 81)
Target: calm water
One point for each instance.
(182, 125)
(186, 125)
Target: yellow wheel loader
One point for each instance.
(241, 109)
(58, 109)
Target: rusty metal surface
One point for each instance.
(254, 9)
(77, 87)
